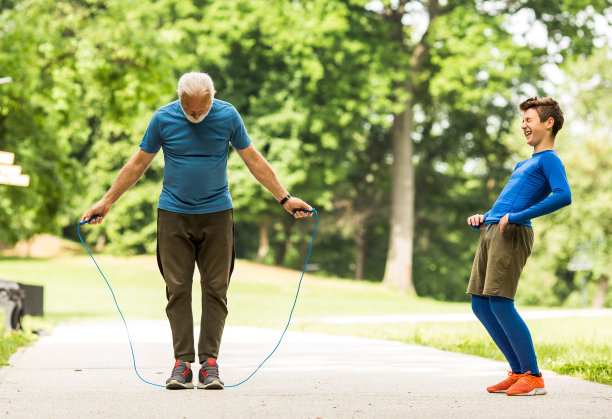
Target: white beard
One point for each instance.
(192, 119)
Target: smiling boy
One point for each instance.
(538, 186)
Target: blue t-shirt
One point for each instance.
(528, 195)
(195, 156)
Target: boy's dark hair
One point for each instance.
(546, 108)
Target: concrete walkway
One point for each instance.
(85, 370)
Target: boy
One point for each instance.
(506, 241)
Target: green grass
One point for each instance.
(74, 290)
(9, 342)
(258, 295)
(262, 296)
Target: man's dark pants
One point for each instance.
(182, 241)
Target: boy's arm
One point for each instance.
(561, 194)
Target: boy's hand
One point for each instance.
(503, 222)
(476, 221)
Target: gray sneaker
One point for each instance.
(208, 378)
(181, 377)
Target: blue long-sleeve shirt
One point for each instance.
(528, 194)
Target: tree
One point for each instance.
(363, 112)
(416, 53)
(307, 105)
(585, 147)
(88, 76)
(37, 119)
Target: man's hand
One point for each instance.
(100, 209)
(503, 222)
(296, 204)
(476, 220)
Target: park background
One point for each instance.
(396, 120)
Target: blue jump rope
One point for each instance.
(125, 323)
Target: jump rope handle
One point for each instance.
(304, 210)
(89, 221)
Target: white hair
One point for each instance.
(195, 84)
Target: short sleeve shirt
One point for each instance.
(195, 156)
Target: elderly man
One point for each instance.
(195, 215)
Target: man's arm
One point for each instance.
(263, 172)
(128, 176)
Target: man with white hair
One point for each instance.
(195, 216)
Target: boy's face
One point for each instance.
(534, 130)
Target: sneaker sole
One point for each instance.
(175, 385)
(534, 392)
(215, 385)
(497, 391)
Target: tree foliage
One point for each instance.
(581, 232)
(322, 87)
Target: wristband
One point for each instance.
(285, 199)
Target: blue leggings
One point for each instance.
(508, 330)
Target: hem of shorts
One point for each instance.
(483, 294)
(524, 223)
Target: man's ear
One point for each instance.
(550, 122)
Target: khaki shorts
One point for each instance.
(500, 259)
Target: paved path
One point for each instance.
(85, 370)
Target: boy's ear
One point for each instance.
(550, 122)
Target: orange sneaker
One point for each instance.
(527, 385)
(506, 384)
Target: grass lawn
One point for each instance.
(11, 341)
(262, 296)
(258, 295)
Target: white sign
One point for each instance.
(11, 171)
(6, 158)
(10, 174)
(21, 180)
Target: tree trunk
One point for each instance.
(600, 295)
(288, 224)
(360, 233)
(100, 243)
(398, 269)
(264, 244)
